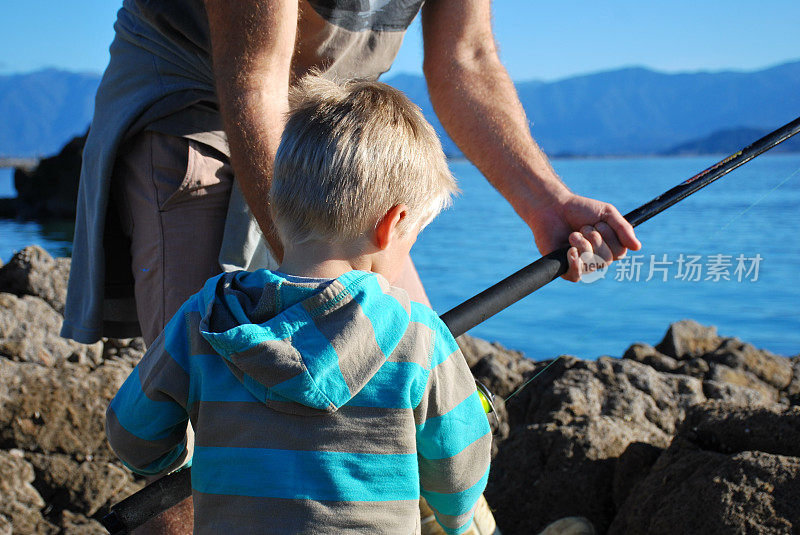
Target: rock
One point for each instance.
(20, 504)
(572, 525)
(687, 338)
(29, 333)
(726, 428)
(84, 486)
(77, 524)
(771, 369)
(500, 369)
(793, 390)
(696, 367)
(647, 354)
(743, 378)
(735, 394)
(714, 478)
(32, 271)
(568, 431)
(51, 189)
(632, 466)
(58, 410)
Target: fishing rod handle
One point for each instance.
(506, 292)
(153, 499)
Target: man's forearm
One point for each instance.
(479, 107)
(252, 47)
(478, 104)
(253, 122)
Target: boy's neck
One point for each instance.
(323, 260)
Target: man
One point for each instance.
(159, 210)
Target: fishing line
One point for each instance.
(590, 333)
(764, 196)
(526, 383)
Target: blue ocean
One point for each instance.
(727, 256)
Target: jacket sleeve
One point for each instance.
(453, 437)
(146, 422)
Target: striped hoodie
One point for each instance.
(317, 407)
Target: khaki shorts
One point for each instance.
(171, 194)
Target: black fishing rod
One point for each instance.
(168, 491)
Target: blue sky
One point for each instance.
(542, 40)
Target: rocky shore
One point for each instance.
(699, 434)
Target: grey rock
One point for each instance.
(20, 504)
(793, 390)
(727, 471)
(735, 394)
(58, 410)
(743, 378)
(29, 333)
(687, 338)
(632, 466)
(772, 369)
(51, 189)
(647, 354)
(572, 525)
(569, 429)
(78, 524)
(32, 271)
(84, 486)
(696, 367)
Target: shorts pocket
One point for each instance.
(207, 172)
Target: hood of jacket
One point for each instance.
(303, 345)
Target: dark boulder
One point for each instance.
(32, 271)
(728, 470)
(51, 189)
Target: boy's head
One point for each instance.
(350, 155)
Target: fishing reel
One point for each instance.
(487, 401)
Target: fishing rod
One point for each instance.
(168, 491)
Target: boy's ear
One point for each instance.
(386, 229)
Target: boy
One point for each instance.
(322, 399)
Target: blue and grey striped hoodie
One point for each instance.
(317, 407)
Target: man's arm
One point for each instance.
(478, 105)
(252, 44)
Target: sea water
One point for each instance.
(750, 215)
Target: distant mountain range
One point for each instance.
(729, 141)
(632, 111)
(43, 110)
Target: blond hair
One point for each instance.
(350, 152)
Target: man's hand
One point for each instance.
(478, 105)
(586, 225)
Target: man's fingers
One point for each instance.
(610, 238)
(579, 245)
(573, 274)
(599, 247)
(623, 229)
